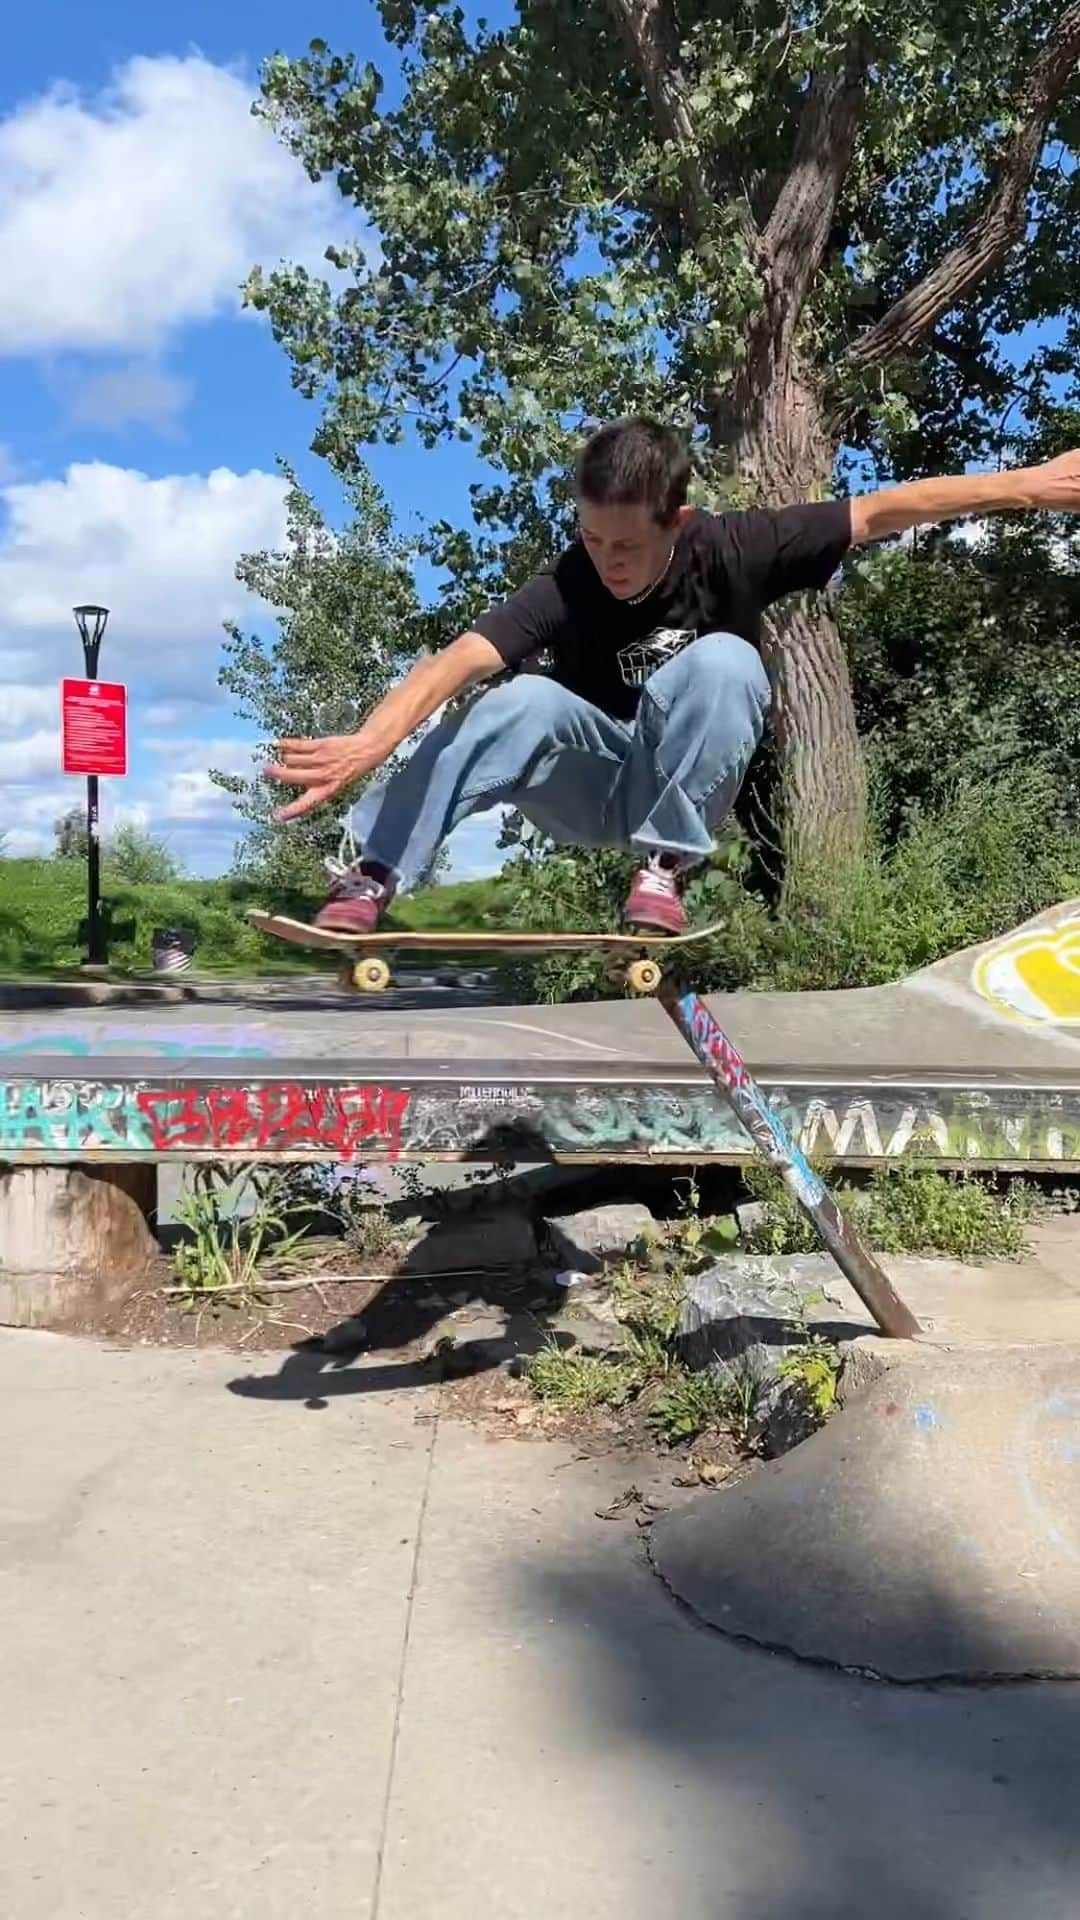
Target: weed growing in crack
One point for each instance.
(907, 1207)
(235, 1224)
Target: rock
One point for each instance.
(347, 1337)
(583, 1241)
(587, 1293)
(786, 1417)
(71, 1243)
(467, 1242)
(751, 1216)
(743, 1315)
(596, 1334)
(750, 1301)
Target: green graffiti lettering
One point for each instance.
(27, 1120)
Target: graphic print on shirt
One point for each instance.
(638, 661)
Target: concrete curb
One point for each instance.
(23, 996)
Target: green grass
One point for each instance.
(43, 903)
(694, 1402)
(905, 1208)
(576, 1382)
(464, 906)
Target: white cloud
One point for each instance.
(192, 795)
(129, 214)
(228, 753)
(170, 713)
(36, 808)
(160, 553)
(32, 811)
(473, 849)
(30, 757)
(21, 707)
(136, 394)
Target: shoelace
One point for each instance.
(657, 880)
(344, 869)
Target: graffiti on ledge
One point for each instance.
(275, 1117)
(374, 1122)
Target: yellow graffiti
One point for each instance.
(1034, 975)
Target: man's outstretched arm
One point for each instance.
(324, 767)
(1053, 487)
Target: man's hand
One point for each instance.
(1056, 485)
(322, 767)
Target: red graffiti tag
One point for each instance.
(280, 1117)
(715, 1050)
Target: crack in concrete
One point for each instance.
(406, 1643)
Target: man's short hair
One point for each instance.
(636, 463)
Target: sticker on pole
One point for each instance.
(93, 726)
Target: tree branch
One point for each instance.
(797, 233)
(1002, 221)
(648, 28)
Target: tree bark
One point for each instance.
(772, 419)
(784, 451)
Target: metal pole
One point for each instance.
(91, 624)
(768, 1133)
(96, 953)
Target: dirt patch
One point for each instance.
(462, 1336)
(399, 1311)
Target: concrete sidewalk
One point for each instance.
(358, 1663)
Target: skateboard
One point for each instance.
(630, 958)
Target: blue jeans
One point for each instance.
(660, 783)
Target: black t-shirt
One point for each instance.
(727, 568)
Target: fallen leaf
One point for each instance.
(631, 1498)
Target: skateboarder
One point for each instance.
(641, 732)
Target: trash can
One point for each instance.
(171, 949)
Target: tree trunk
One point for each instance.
(784, 452)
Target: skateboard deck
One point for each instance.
(630, 955)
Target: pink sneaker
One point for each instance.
(357, 899)
(655, 898)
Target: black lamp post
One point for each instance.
(91, 622)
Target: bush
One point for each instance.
(139, 859)
(906, 1208)
(565, 890)
(966, 662)
(986, 858)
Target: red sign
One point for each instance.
(93, 726)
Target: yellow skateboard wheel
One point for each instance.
(644, 975)
(371, 975)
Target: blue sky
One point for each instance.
(141, 412)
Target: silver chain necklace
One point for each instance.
(636, 599)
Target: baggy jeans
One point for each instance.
(660, 783)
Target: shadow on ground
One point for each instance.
(836, 1797)
(405, 1311)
